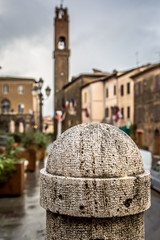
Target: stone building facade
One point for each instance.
(125, 95)
(69, 101)
(147, 107)
(17, 104)
(103, 97)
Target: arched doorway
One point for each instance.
(157, 142)
(5, 106)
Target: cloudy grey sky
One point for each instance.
(104, 34)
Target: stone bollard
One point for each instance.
(94, 186)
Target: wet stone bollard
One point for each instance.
(94, 186)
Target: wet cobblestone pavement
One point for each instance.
(22, 217)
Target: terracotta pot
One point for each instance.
(31, 160)
(15, 183)
(30, 155)
(41, 152)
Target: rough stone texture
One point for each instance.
(95, 197)
(94, 150)
(94, 185)
(68, 228)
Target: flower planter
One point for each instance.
(41, 153)
(31, 160)
(30, 155)
(15, 183)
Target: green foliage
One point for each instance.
(28, 139)
(10, 142)
(8, 160)
(50, 137)
(17, 136)
(40, 139)
(2, 132)
(6, 168)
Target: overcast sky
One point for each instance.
(104, 34)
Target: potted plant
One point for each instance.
(17, 138)
(11, 172)
(41, 140)
(30, 150)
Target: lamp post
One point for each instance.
(36, 91)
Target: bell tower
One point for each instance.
(61, 48)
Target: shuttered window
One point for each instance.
(107, 93)
(128, 112)
(114, 90)
(107, 112)
(122, 90)
(157, 84)
(156, 112)
(139, 88)
(139, 115)
(122, 112)
(128, 88)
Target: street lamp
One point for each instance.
(36, 91)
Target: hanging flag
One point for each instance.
(86, 112)
(57, 117)
(63, 117)
(67, 104)
(117, 114)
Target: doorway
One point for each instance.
(157, 142)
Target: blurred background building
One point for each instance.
(127, 99)
(19, 109)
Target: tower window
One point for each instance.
(62, 43)
(61, 13)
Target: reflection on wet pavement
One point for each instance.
(22, 217)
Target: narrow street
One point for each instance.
(23, 218)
